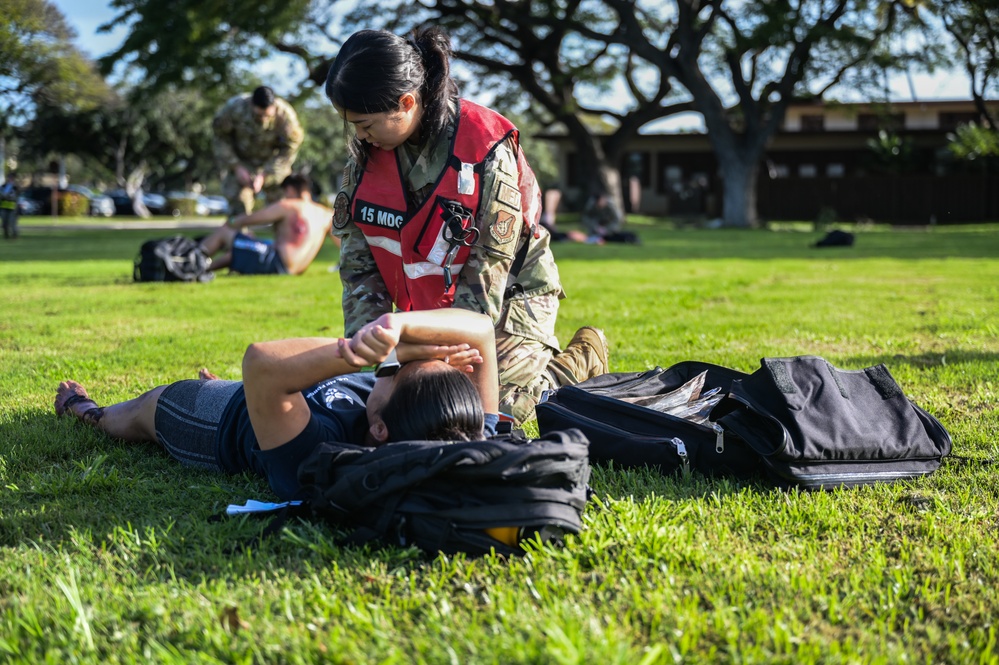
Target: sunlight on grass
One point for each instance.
(108, 554)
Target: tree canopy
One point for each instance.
(39, 65)
(974, 27)
(208, 43)
(164, 137)
(740, 63)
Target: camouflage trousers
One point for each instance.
(527, 368)
(241, 198)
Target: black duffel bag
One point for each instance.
(818, 426)
(607, 409)
(799, 420)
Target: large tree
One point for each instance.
(744, 62)
(974, 27)
(163, 139)
(40, 65)
(212, 43)
(530, 45)
(557, 52)
(739, 62)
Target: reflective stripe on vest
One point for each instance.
(407, 244)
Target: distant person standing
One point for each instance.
(257, 137)
(8, 206)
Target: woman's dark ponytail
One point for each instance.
(439, 91)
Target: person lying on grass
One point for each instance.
(436, 380)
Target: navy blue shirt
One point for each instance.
(338, 414)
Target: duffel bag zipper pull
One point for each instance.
(681, 450)
(719, 438)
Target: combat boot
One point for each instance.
(585, 356)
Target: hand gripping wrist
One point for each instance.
(389, 366)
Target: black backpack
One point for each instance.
(472, 497)
(800, 421)
(176, 259)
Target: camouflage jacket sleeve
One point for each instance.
(288, 136)
(509, 191)
(365, 296)
(222, 138)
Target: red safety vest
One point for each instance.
(409, 245)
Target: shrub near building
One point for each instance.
(73, 204)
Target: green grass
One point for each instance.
(107, 554)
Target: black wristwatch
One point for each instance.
(389, 366)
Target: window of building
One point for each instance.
(872, 122)
(951, 119)
(813, 122)
(807, 171)
(638, 164)
(778, 170)
(835, 170)
(672, 178)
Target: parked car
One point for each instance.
(27, 205)
(176, 209)
(100, 205)
(155, 203)
(37, 200)
(216, 205)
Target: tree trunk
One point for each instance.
(3, 157)
(596, 170)
(739, 175)
(133, 186)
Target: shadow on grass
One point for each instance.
(946, 358)
(69, 488)
(658, 243)
(101, 245)
(641, 483)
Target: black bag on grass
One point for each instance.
(800, 420)
(818, 426)
(631, 435)
(471, 497)
(176, 259)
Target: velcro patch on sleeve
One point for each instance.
(502, 229)
(509, 195)
(341, 210)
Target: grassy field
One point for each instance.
(107, 554)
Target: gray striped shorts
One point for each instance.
(188, 414)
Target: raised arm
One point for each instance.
(275, 373)
(420, 332)
(272, 214)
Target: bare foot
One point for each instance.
(205, 375)
(72, 398)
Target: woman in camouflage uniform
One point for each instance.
(439, 208)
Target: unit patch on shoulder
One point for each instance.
(341, 210)
(502, 230)
(509, 195)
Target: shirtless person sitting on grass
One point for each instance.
(300, 227)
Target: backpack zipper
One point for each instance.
(681, 450)
(719, 438)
